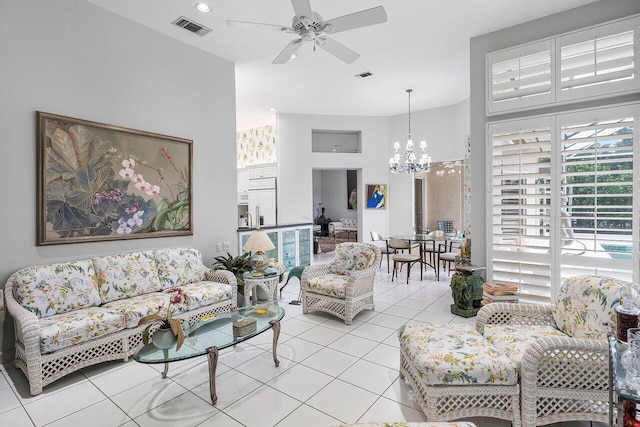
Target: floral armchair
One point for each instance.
(561, 349)
(343, 287)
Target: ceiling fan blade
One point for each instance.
(302, 8)
(376, 15)
(259, 26)
(337, 49)
(289, 50)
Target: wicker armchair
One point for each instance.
(561, 349)
(343, 287)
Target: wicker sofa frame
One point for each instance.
(359, 290)
(43, 369)
(561, 379)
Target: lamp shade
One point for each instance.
(258, 242)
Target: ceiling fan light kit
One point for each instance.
(311, 27)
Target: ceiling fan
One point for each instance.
(311, 28)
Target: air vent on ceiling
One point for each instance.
(363, 75)
(192, 26)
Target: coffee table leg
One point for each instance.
(166, 364)
(212, 358)
(275, 324)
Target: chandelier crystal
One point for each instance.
(411, 163)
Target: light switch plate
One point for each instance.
(226, 246)
(218, 247)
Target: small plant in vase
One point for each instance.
(167, 322)
(238, 265)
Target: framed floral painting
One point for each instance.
(100, 182)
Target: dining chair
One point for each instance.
(376, 237)
(448, 255)
(401, 258)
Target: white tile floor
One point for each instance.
(329, 374)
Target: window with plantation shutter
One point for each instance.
(564, 199)
(599, 61)
(519, 77)
(597, 191)
(521, 206)
(596, 62)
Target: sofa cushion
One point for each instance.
(126, 275)
(584, 303)
(333, 285)
(47, 290)
(455, 354)
(349, 223)
(179, 266)
(513, 340)
(351, 256)
(199, 294)
(66, 329)
(135, 308)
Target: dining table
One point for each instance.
(424, 240)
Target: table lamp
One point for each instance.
(257, 243)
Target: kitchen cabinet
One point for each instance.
(262, 171)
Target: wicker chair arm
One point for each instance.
(225, 276)
(514, 314)
(26, 324)
(314, 271)
(362, 274)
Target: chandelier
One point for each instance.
(410, 165)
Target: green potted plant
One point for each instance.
(238, 265)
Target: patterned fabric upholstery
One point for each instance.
(47, 290)
(455, 355)
(333, 285)
(135, 308)
(126, 275)
(179, 266)
(513, 340)
(349, 223)
(66, 329)
(199, 294)
(584, 303)
(351, 256)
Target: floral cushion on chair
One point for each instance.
(455, 354)
(351, 256)
(584, 303)
(179, 266)
(333, 285)
(47, 290)
(126, 275)
(513, 340)
(135, 308)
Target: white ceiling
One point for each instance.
(423, 46)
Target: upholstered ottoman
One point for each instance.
(456, 373)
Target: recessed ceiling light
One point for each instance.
(294, 56)
(203, 7)
(272, 109)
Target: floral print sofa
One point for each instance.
(75, 314)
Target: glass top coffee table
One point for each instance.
(214, 334)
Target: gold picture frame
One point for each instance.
(99, 182)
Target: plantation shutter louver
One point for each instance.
(521, 206)
(520, 77)
(597, 180)
(598, 61)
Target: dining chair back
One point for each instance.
(386, 250)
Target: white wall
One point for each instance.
(78, 60)
(296, 162)
(570, 20)
(444, 129)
